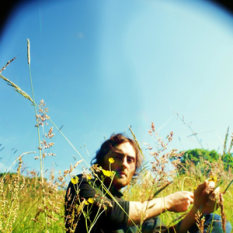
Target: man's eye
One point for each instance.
(117, 157)
(130, 160)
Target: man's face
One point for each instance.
(124, 164)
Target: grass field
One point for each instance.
(29, 203)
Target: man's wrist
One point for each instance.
(194, 210)
(167, 203)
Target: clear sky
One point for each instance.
(103, 65)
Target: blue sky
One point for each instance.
(102, 66)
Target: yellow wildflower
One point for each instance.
(107, 173)
(86, 203)
(90, 200)
(88, 176)
(111, 160)
(74, 180)
(213, 178)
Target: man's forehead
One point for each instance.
(126, 149)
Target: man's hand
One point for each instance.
(206, 197)
(179, 201)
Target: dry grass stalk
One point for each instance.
(41, 118)
(9, 197)
(4, 67)
(189, 126)
(225, 141)
(200, 221)
(17, 88)
(231, 144)
(77, 163)
(136, 141)
(161, 157)
(28, 51)
(223, 215)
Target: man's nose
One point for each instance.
(124, 162)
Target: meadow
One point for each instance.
(32, 203)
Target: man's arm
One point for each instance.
(203, 201)
(176, 202)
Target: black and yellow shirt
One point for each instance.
(88, 206)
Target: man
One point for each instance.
(96, 205)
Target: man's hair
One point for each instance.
(115, 140)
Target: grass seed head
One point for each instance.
(28, 51)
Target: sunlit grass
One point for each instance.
(29, 203)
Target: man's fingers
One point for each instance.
(201, 188)
(191, 201)
(211, 184)
(217, 190)
(214, 196)
(191, 195)
(190, 198)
